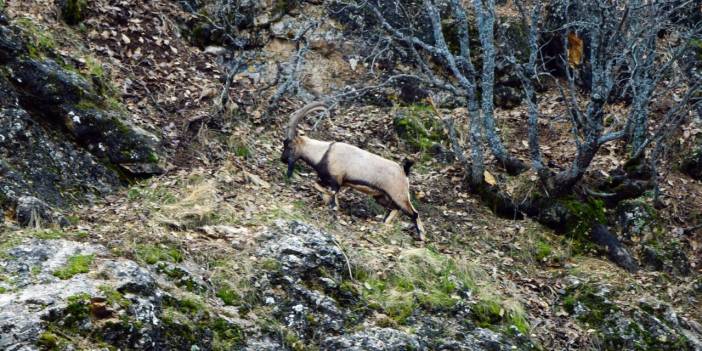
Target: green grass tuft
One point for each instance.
(153, 254)
(75, 265)
(542, 250)
(48, 340)
(423, 279)
(228, 295)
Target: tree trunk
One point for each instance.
(486, 23)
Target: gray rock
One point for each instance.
(303, 250)
(31, 211)
(652, 325)
(182, 276)
(635, 219)
(307, 257)
(381, 339)
(36, 298)
(304, 292)
(264, 344)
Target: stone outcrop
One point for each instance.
(60, 141)
(305, 284)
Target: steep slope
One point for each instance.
(223, 252)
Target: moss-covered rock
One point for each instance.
(54, 115)
(668, 256)
(117, 306)
(316, 303)
(637, 220)
(652, 325)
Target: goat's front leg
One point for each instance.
(334, 201)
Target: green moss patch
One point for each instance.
(75, 265)
(114, 297)
(40, 41)
(152, 254)
(587, 304)
(48, 340)
(417, 126)
(189, 321)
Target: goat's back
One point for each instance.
(359, 166)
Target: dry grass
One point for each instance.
(198, 205)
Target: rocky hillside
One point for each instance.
(145, 206)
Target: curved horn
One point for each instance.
(291, 128)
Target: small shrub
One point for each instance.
(48, 340)
(417, 126)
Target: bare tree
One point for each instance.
(450, 70)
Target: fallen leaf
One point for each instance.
(489, 178)
(575, 50)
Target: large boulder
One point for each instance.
(40, 161)
(56, 292)
(304, 257)
(39, 296)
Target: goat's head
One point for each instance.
(291, 154)
(292, 145)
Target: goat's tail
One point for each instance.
(406, 165)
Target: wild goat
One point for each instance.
(340, 164)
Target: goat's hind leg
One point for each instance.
(328, 197)
(390, 216)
